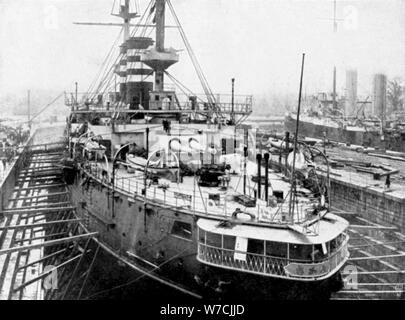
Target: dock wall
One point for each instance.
(8, 183)
(49, 135)
(378, 207)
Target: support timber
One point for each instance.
(40, 231)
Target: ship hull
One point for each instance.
(140, 235)
(361, 138)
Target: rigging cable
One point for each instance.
(108, 57)
(47, 106)
(197, 67)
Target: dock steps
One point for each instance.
(375, 269)
(40, 233)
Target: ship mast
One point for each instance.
(293, 180)
(127, 16)
(334, 67)
(124, 13)
(160, 25)
(160, 41)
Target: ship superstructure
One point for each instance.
(361, 122)
(174, 186)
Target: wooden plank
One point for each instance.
(46, 157)
(381, 284)
(40, 169)
(34, 169)
(42, 206)
(40, 174)
(41, 237)
(42, 186)
(36, 225)
(43, 275)
(42, 259)
(40, 196)
(32, 179)
(372, 291)
(386, 157)
(48, 243)
(44, 161)
(43, 210)
(377, 257)
(381, 272)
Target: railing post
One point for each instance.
(222, 248)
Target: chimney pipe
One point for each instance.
(266, 177)
(245, 153)
(147, 142)
(287, 148)
(259, 175)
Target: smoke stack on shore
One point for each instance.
(380, 96)
(351, 93)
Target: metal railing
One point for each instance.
(270, 265)
(242, 103)
(175, 198)
(198, 202)
(254, 263)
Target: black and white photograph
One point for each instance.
(202, 154)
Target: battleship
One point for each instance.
(353, 121)
(174, 186)
(151, 187)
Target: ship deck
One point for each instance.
(199, 198)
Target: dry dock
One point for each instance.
(41, 238)
(354, 190)
(376, 213)
(40, 233)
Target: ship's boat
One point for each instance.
(200, 210)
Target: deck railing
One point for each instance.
(273, 266)
(242, 104)
(197, 202)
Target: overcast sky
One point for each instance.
(259, 42)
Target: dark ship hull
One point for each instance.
(392, 141)
(141, 236)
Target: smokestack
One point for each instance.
(266, 177)
(351, 93)
(259, 175)
(380, 96)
